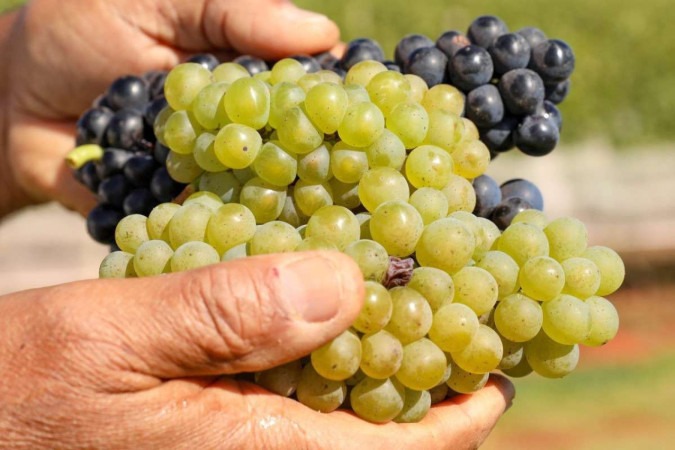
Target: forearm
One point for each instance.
(11, 195)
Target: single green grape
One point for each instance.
(454, 326)
(549, 358)
(265, 200)
(183, 84)
(541, 278)
(326, 104)
(319, 393)
(382, 354)
(192, 255)
(386, 151)
(370, 256)
(612, 269)
(380, 185)
(131, 232)
(428, 166)
(410, 122)
(434, 284)
(567, 319)
(117, 264)
(518, 318)
(476, 288)
(152, 257)
(378, 401)
(232, 224)
(482, 354)
(338, 359)
(361, 125)
(397, 226)
(237, 146)
(411, 316)
(247, 101)
(604, 321)
(423, 365)
(274, 237)
(446, 244)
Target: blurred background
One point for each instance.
(613, 170)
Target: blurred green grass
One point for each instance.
(623, 89)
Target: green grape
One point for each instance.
(475, 288)
(363, 71)
(387, 151)
(353, 381)
(309, 198)
(377, 308)
(431, 203)
(487, 236)
(159, 125)
(158, 220)
(471, 223)
(604, 321)
(582, 277)
(244, 175)
(188, 224)
(297, 133)
(438, 393)
(435, 285)
(423, 365)
(131, 232)
(274, 237)
(288, 70)
(415, 407)
(183, 83)
(328, 76)
(229, 72)
(382, 354)
(514, 353)
(567, 237)
(236, 252)
(208, 107)
(315, 243)
(336, 224)
(247, 101)
(428, 166)
(612, 270)
(326, 104)
(531, 216)
(370, 256)
(454, 326)
(193, 255)
(319, 393)
(314, 167)
(275, 165)
(460, 194)
(523, 241)
(265, 76)
(410, 122)
(471, 158)
(377, 401)
(503, 269)
(205, 155)
(291, 213)
(205, 198)
(446, 244)
(345, 194)
(117, 264)
(182, 168)
(444, 97)
(541, 278)
(567, 319)
(364, 220)
(549, 358)
(387, 90)
(356, 93)
(518, 318)
(381, 185)
(483, 352)
(397, 226)
(308, 81)
(223, 184)
(265, 200)
(445, 129)
(180, 132)
(282, 380)
(470, 131)
(237, 145)
(348, 163)
(152, 257)
(465, 382)
(418, 87)
(232, 224)
(362, 124)
(284, 96)
(338, 359)
(411, 315)
(520, 370)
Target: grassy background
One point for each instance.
(624, 85)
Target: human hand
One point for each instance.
(61, 55)
(136, 363)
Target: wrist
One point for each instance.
(12, 196)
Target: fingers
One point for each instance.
(270, 29)
(240, 316)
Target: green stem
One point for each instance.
(81, 155)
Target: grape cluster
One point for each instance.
(379, 165)
(512, 80)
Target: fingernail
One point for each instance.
(313, 287)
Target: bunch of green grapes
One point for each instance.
(377, 166)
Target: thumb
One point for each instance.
(270, 29)
(240, 316)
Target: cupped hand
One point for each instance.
(62, 55)
(138, 363)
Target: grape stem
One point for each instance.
(81, 155)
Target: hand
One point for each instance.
(62, 55)
(88, 365)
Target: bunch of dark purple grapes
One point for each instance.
(512, 80)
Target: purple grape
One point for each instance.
(503, 214)
(509, 51)
(407, 46)
(470, 67)
(101, 223)
(485, 29)
(553, 60)
(525, 190)
(428, 63)
(522, 91)
(484, 106)
(537, 135)
(451, 41)
(252, 64)
(488, 195)
(91, 126)
(206, 60)
(128, 92)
